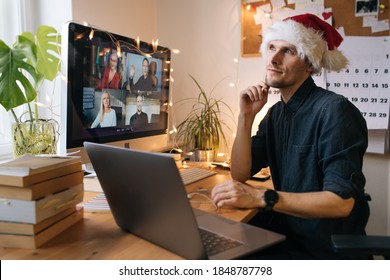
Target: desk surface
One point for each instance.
(98, 236)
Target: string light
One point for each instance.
(124, 45)
(91, 34)
(118, 49)
(155, 45)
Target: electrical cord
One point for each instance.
(191, 195)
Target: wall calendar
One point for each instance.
(366, 81)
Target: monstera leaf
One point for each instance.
(22, 67)
(48, 51)
(15, 87)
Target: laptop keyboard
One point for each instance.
(215, 243)
(194, 174)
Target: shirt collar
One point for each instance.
(300, 95)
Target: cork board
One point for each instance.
(343, 15)
(250, 40)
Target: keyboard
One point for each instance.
(194, 174)
(215, 243)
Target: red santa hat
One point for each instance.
(314, 39)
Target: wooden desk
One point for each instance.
(98, 236)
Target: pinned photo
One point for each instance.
(366, 8)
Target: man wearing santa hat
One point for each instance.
(313, 140)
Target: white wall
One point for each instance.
(377, 171)
(124, 17)
(208, 34)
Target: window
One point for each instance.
(17, 16)
(10, 25)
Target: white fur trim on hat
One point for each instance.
(308, 42)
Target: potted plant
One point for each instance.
(202, 130)
(32, 59)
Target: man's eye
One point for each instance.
(289, 51)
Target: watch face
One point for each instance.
(271, 197)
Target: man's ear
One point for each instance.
(310, 68)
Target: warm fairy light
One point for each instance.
(236, 60)
(248, 7)
(118, 49)
(175, 51)
(174, 130)
(232, 84)
(91, 34)
(80, 36)
(155, 45)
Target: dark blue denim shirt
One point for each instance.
(315, 142)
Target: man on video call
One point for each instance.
(139, 120)
(313, 140)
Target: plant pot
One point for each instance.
(34, 138)
(204, 155)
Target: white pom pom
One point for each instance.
(334, 60)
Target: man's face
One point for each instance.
(285, 68)
(145, 67)
(139, 104)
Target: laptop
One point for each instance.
(147, 198)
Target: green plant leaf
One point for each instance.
(48, 51)
(15, 88)
(203, 127)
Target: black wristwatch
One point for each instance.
(271, 197)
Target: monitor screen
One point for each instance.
(117, 87)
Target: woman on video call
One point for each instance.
(106, 116)
(111, 76)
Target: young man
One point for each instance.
(313, 141)
(139, 120)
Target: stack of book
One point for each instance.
(39, 197)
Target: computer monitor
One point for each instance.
(116, 90)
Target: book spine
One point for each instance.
(31, 229)
(29, 180)
(42, 189)
(37, 240)
(35, 211)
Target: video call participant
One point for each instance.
(313, 140)
(146, 82)
(139, 120)
(106, 116)
(111, 78)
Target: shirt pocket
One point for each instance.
(302, 169)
